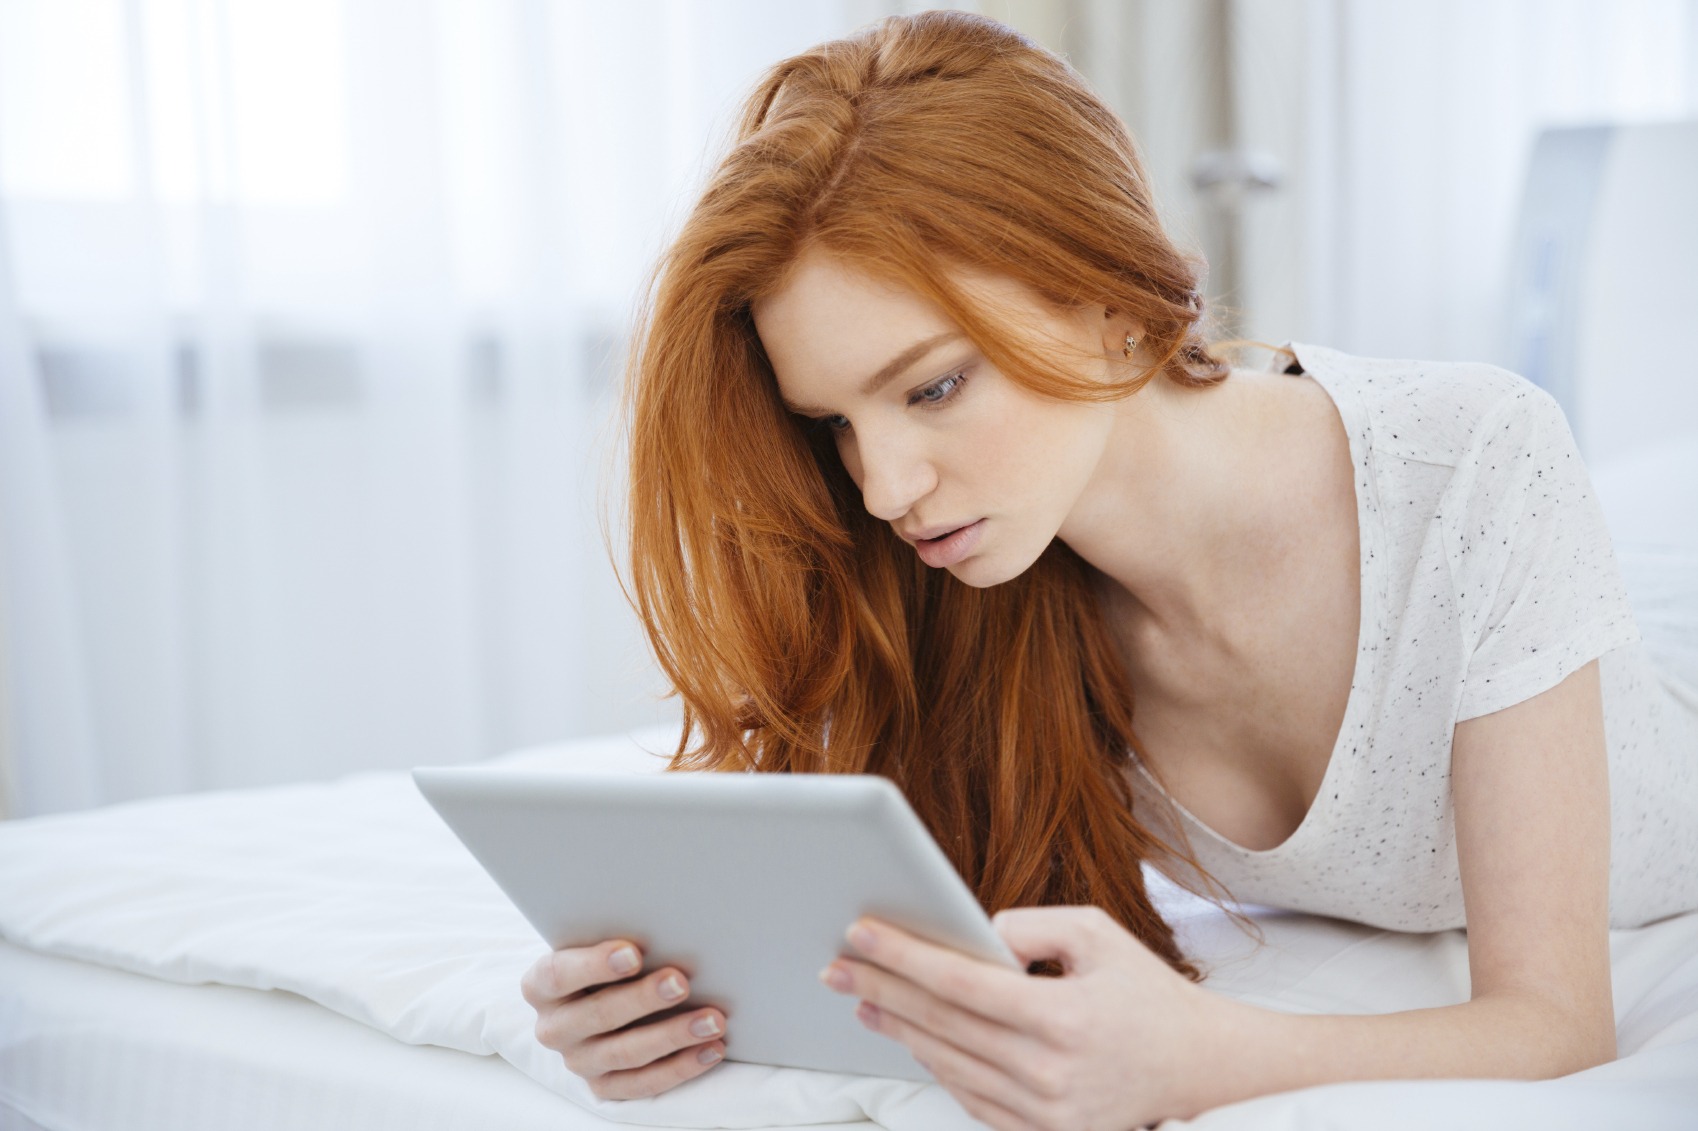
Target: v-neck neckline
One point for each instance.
(1356, 431)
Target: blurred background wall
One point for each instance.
(310, 314)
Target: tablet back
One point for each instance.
(745, 881)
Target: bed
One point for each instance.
(326, 955)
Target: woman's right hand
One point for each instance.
(586, 996)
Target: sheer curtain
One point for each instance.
(1400, 133)
(309, 316)
(309, 311)
(1409, 128)
(1434, 182)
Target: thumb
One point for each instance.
(1073, 936)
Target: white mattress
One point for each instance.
(85, 1047)
(353, 895)
(90, 1048)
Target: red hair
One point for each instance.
(801, 633)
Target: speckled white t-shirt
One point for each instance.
(1487, 577)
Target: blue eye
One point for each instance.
(937, 393)
(941, 390)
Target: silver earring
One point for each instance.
(1131, 344)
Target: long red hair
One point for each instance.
(801, 633)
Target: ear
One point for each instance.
(1115, 328)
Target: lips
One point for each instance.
(948, 547)
(933, 533)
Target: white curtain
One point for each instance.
(1400, 133)
(309, 311)
(1418, 123)
(309, 316)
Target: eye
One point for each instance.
(937, 393)
(940, 390)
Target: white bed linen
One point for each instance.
(89, 1048)
(354, 895)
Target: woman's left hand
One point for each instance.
(1112, 1043)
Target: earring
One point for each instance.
(1131, 343)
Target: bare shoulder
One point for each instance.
(1275, 387)
(1297, 419)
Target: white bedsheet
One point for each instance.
(90, 1048)
(354, 895)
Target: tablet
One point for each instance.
(744, 881)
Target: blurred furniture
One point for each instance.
(1603, 296)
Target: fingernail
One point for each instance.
(861, 938)
(837, 978)
(867, 1014)
(706, 1025)
(672, 989)
(623, 961)
(707, 1056)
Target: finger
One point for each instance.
(685, 1064)
(613, 1007)
(914, 1003)
(969, 983)
(562, 973)
(1073, 936)
(899, 1007)
(644, 1044)
(991, 1113)
(955, 1068)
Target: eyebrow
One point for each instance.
(891, 370)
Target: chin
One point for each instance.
(982, 571)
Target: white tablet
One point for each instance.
(744, 881)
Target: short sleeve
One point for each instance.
(1538, 590)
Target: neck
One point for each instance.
(1184, 513)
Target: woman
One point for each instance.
(933, 476)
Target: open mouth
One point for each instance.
(947, 549)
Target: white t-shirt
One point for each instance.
(1487, 577)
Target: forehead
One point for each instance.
(832, 323)
(830, 326)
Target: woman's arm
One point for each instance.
(1123, 1040)
(1531, 789)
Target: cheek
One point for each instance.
(1000, 435)
(1031, 447)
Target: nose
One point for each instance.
(893, 471)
